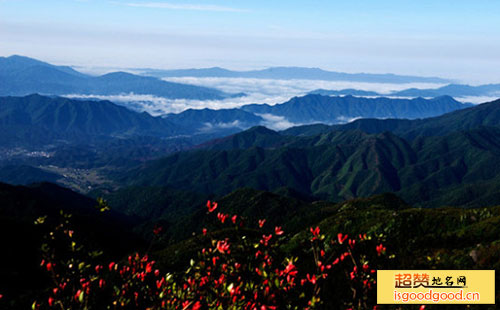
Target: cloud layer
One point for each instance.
(258, 91)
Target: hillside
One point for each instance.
(39, 120)
(429, 170)
(21, 239)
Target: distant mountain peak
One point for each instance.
(294, 73)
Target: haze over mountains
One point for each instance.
(290, 73)
(453, 90)
(183, 89)
(23, 76)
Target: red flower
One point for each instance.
(160, 282)
(204, 231)
(222, 217)
(1, 296)
(211, 206)
(157, 230)
(290, 269)
(214, 260)
(222, 246)
(49, 266)
(261, 223)
(77, 295)
(278, 231)
(422, 307)
(380, 249)
(341, 237)
(234, 218)
(311, 279)
(111, 265)
(265, 239)
(197, 306)
(51, 301)
(315, 233)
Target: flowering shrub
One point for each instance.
(241, 267)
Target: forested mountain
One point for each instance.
(38, 120)
(423, 165)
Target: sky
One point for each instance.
(448, 38)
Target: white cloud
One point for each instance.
(296, 87)
(477, 100)
(258, 91)
(343, 119)
(276, 122)
(222, 125)
(184, 7)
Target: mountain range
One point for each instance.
(37, 120)
(327, 109)
(293, 73)
(429, 163)
(453, 90)
(23, 76)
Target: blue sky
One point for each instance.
(457, 39)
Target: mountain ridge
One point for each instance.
(23, 76)
(289, 73)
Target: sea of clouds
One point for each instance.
(258, 91)
(270, 91)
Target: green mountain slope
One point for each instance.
(335, 166)
(39, 120)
